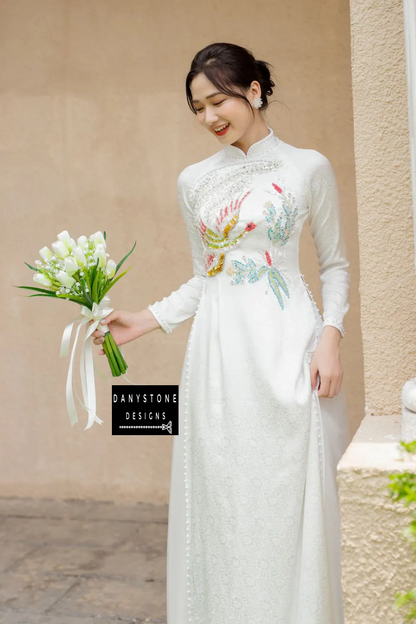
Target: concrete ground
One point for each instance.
(76, 562)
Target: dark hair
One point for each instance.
(227, 65)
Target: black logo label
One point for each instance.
(145, 410)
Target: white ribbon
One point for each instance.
(98, 312)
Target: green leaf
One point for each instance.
(95, 284)
(80, 301)
(37, 289)
(111, 284)
(88, 300)
(73, 298)
(105, 236)
(31, 267)
(52, 295)
(103, 284)
(126, 256)
(93, 279)
(410, 447)
(99, 276)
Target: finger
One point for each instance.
(107, 319)
(324, 387)
(96, 331)
(330, 389)
(333, 389)
(100, 352)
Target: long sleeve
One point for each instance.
(182, 304)
(327, 231)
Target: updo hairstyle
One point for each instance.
(230, 67)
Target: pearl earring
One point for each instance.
(257, 102)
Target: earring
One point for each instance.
(257, 102)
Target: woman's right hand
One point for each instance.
(124, 326)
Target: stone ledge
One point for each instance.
(375, 446)
(377, 561)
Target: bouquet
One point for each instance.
(81, 272)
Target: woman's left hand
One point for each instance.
(327, 362)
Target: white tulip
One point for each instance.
(71, 265)
(60, 249)
(40, 278)
(79, 256)
(73, 243)
(99, 253)
(111, 268)
(82, 242)
(98, 239)
(65, 238)
(65, 279)
(45, 253)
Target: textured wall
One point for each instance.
(377, 559)
(382, 156)
(94, 129)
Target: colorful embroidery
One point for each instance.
(278, 232)
(225, 222)
(252, 273)
(280, 228)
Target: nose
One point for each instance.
(211, 117)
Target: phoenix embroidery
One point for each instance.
(220, 241)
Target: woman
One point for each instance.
(254, 533)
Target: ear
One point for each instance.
(255, 89)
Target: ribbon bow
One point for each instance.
(98, 312)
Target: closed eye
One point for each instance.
(198, 110)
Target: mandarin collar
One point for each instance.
(260, 147)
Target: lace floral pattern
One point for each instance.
(249, 488)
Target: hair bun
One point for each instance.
(266, 81)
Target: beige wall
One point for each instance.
(94, 130)
(377, 560)
(383, 173)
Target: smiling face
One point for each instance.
(215, 110)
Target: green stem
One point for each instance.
(112, 360)
(121, 363)
(123, 360)
(105, 348)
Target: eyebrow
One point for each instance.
(208, 97)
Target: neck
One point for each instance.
(257, 131)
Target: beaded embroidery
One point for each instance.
(250, 271)
(225, 222)
(215, 188)
(279, 233)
